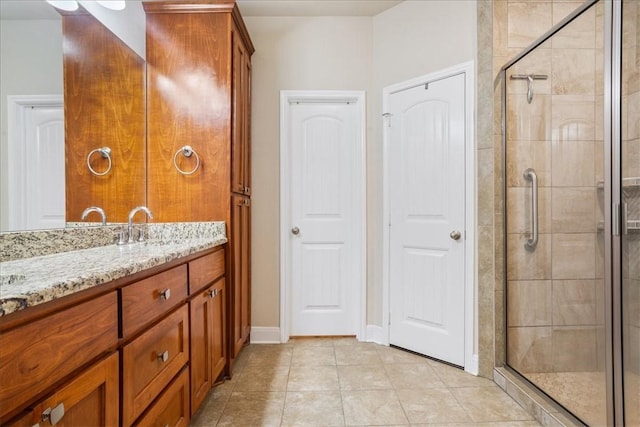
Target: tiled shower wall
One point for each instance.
(563, 109)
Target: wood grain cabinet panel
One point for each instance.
(171, 409)
(204, 270)
(152, 360)
(147, 300)
(37, 355)
(89, 399)
(241, 273)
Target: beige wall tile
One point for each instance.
(574, 349)
(573, 117)
(528, 265)
(573, 164)
(573, 71)
(599, 25)
(574, 302)
(500, 335)
(528, 122)
(536, 62)
(530, 349)
(529, 303)
(522, 155)
(631, 104)
(527, 21)
(485, 180)
(580, 33)
(573, 256)
(500, 30)
(573, 210)
(519, 210)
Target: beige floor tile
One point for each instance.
(340, 341)
(390, 355)
(313, 408)
(491, 424)
(372, 407)
(262, 378)
(312, 342)
(486, 404)
(313, 356)
(431, 405)
(212, 407)
(357, 355)
(253, 409)
(413, 376)
(269, 355)
(455, 377)
(363, 377)
(313, 378)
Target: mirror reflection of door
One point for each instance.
(36, 163)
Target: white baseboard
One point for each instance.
(265, 335)
(474, 365)
(376, 334)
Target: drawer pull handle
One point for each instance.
(164, 356)
(165, 295)
(214, 293)
(53, 415)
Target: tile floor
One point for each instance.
(340, 382)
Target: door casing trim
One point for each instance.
(470, 299)
(319, 96)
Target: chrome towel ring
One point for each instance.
(186, 151)
(105, 152)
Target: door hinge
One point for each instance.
(387, 118)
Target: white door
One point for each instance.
(427, 213)
(325, 227)
(37, 168)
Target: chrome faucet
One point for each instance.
(90, 209)
(130, 223)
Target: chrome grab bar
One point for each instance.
(530, 175)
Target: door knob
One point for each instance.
(455, 235)
(295, 230)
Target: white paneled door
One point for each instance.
(426, 147)
(36, 163)
(325, 221)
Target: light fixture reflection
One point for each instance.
(112, 4)
(68, 5)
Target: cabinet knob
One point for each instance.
(165, 295)
(53, 415)
(213, 293)
(164, 356)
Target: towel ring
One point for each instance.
(105, 152)
(186, 151)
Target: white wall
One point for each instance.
(292, 53)
(30, 64)
(340, 53)
(409, 40)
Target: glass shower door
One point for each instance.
(630, 197)
(555, 181)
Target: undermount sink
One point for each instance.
(10, 279)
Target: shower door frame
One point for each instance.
(612, 203)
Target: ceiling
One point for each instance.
(39, 9)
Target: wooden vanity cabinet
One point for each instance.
(207, 321)
(171, 409)
(90, 399)
(241, 282)
(40, 354)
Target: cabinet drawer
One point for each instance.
(172, 407)
(205, 270)
(35, 356)
(152, 360)
(146, 300)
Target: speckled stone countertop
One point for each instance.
(31, 281)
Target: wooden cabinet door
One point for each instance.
(241, 129)
(201, 357)
(240, 315)
(172, 407)
(90, 399)
(218, 344)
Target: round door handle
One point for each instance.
(295, 230)
(455, 235)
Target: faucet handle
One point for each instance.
(141, 235)
(122, 237)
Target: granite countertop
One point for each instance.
(31, 281)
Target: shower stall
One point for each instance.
(571, 173)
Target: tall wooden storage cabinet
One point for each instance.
(198, 101)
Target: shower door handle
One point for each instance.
(530, 175)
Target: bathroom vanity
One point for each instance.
(113, 335)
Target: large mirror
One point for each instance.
(45, 178)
